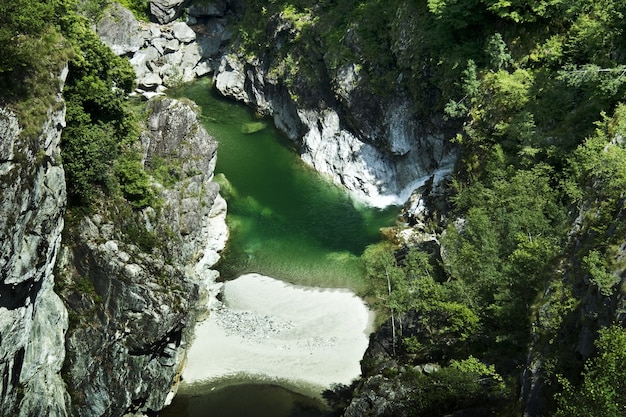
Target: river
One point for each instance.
(286, 222)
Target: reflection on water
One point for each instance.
(286, 221)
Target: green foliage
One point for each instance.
(600, 277)
(139, 8)
(88, 153)
(100, 125)
(602, 392)
(470, 87)
(522, 11)
(445, 323)
(497, 52)
(135, 182)
(164, 171)
(137, 234)
(33, 54)
(22, 25)
(93, 9)
(456, 14)
(463, 384)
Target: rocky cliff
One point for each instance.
(135, 282)
(167, 54)
(374, 146)
(132, 283)
(33, 318)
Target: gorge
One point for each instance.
(498, 124)
(286, 222)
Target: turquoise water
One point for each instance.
(285, 220)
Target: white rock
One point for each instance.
(183, 32)
(151, 80)
(203, 68)
(148, 95)
(230, 79)
(172, 45)
(159, 44)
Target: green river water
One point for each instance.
(286, 222)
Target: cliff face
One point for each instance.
(33, 319)
(374, 146)
(134, 282)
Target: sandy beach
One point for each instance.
(268, 329)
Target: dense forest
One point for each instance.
(531, 224)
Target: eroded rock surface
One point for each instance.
(137, 281)
(375, 147)
(33, 319)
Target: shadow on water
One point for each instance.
(247, 400)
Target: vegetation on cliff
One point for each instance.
(39, 38)
(533, 241)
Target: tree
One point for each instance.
(602, 392)
(22, 24)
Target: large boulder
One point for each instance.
(120, 31)
(166, 11)
(183, 33)
(231, 79)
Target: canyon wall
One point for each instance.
(33, 319)
(135, 282)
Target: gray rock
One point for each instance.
(120, 31)
(159, 44)
(376, 149)
(191, 57)
(143, 61)
(202, 69)
(165, 11)
(9, 132)
(231, 79)
(172, 45)
(209, 9)
(209, 45)
(32, 318)
(183, 33)
(129, 344)
(150, 81)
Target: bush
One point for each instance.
(135, 183)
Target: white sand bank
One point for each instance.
(308, 337)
